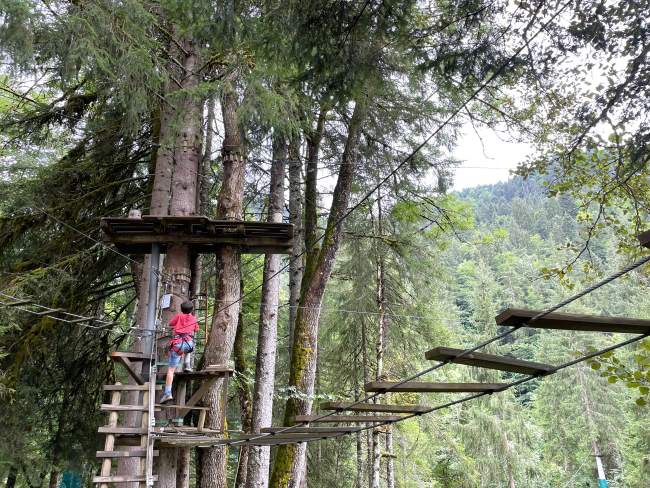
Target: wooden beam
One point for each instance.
(199, 233)
(198, 395)
(124, 361)
(372, 407)
(131, 356)
(347, 418)
(123, 454)
(569, 321)
(489, 361)
(425, 387)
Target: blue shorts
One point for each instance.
(174, 357)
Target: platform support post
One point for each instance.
(152, 304)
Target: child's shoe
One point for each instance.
(188, 368)
(167, 397)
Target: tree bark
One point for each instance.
(376, 459)
(289, 460)
(296, 263)
(381, 334)
(245, 398)
(224, 323)
(186, 152)
(260, 456)
(390, 462)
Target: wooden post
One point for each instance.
(144, 423)
(184, 453)
(109, 443)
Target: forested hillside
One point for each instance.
(447, 290)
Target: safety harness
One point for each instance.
(178, 341)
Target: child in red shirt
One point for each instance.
(183, 325)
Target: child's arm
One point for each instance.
(173, 322)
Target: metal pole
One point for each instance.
(152, 304)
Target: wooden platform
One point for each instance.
(203, 235)
(372, 407)
(567, 321)
(489, 361)
(211, 371)
(425, 387)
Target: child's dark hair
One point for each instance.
(187, 307)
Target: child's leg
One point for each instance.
(188, 360)
(169, 379)
(174, 359)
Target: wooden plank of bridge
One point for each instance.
(289, 435)
(314, 430)
(372, 407)
(569, 321)
(426, 387)
(489, 361)
(347, 418)
(119, 479)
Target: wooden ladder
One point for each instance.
(132, 436)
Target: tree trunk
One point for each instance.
(381, 334)
(54, 478)
(224, 322)
(260, 456)
(376, 460)
(295, 217)
(390, 462)
(12, 476)
(186, 152)
(245, 398)
(289, 460)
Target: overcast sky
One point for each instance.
(488, 161)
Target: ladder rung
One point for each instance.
(120, 479)
(144, 387)
(167, 405)
(107, 407)
(123, 454)
(106, 429)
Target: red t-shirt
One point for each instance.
(184, 323)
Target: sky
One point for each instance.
(486, 158)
